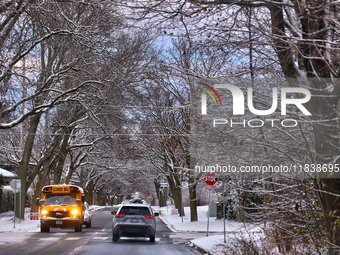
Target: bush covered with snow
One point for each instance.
(6, 201)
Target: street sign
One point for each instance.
(34, 216)
(174, 211)
(209, 178)
(164, 184)
(17, 183)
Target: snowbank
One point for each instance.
(26, 225)
(212, 244)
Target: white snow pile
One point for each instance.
(26, 225)
(96, 207)
(213, 244)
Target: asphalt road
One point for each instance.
(98, 240)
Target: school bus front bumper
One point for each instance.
(59, 223)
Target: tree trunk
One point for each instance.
(60, 161)
(23, 165)
(177, 199)
(282, 47)
(322, 108)
(193, 202)
(162, 201)
(326, 146)
(41, 182)
(157, 187)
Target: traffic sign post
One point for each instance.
(182, 212)
(224, 239)
(209, 179)
(15, 184)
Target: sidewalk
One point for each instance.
(211, 244)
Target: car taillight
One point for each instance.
(120, 215)
(148, 216)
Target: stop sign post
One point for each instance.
(209, 179)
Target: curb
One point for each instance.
(200, 249)
(170, 226)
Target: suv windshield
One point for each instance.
(60, 200)
(135, 210)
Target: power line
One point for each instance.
(62, 134)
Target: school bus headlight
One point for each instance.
(44, 213)
(74, 212)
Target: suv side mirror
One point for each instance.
(114, 212)
(156, 214)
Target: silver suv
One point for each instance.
(134, 220)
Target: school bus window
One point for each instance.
(60, 200)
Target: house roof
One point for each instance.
(6, 173)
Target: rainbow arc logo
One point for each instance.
(204, 97)
(209, 93)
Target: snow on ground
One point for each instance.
(27, 225)
(96, 207)
(215, 225)
(211, 244)
(9, 234)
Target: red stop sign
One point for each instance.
(209, 178)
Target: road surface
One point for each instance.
(98, 240)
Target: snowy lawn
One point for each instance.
(27, 225)
(9, 234)
(215, 225)
(211, 244)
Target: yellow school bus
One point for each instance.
(61, 206)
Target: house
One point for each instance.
(8, 176)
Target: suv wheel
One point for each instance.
(115, 237)
(152, 239)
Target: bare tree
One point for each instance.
(303, 38)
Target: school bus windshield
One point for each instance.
(60, 200)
